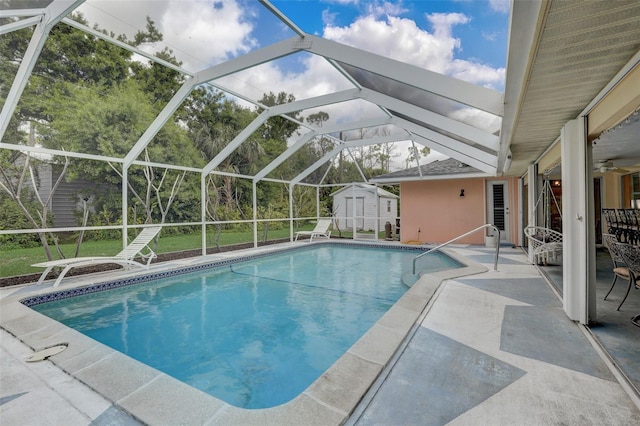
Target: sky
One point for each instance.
(465, 39)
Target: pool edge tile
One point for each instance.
(344, 383)
(165, 400)
(303, 410)
(378, 344)
(116, 376)
(28, 324)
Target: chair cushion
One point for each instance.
(621, 271)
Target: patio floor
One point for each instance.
(493, 348)
(613, 329)
(497, 348)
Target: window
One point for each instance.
(388, 206)
(631, 191)
(635, 190)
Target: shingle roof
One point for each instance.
(381, 192)
(450, 166)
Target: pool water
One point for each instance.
(255, 333)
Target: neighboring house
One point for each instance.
(370, 202)
(446, 198)
(66, 203)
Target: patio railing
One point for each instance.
(488, 225)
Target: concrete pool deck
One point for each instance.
(489, 348)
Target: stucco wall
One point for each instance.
(436, 209)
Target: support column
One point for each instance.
(578, 254)
(377, 225)
(353, 210)
(255, 213)
(125, 205)
(521, 220)
(532, 199)
(291, 233)
(203, 211)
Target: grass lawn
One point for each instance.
(15, 262)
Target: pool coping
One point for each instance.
(153, 397)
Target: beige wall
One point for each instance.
(611, 191)
(435, 209)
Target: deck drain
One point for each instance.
(46, 353)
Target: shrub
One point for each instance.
(11, 217)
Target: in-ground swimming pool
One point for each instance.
(254, 333)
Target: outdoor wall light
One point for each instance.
(462, 193)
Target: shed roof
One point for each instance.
(369, 188)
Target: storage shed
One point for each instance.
(370, 202)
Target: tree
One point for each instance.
(214, 122)
(323, 143)
(72, 57)
(279, 128)
(155, 195)
(415, 154)
(108, 121)
(318, 119)
(18, 179)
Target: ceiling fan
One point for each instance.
(607, 166)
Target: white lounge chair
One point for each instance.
(321, 230)
(124, 258)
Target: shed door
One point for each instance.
(498, 206)
(359, 212)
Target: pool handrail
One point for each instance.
(488, 225)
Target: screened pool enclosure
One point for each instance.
(207, 142)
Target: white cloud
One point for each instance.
(207, 32)
(121, 16)
(442, 23)
(319, 78)
(492, 36)
(342, 1)
(501, 6)
(381, 9)
(328, 18)
(396, 38)
(200, 32)
(477, 73)
(403, 40)
(479, 119)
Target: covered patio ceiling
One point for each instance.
(562, 57)
(411, 103)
